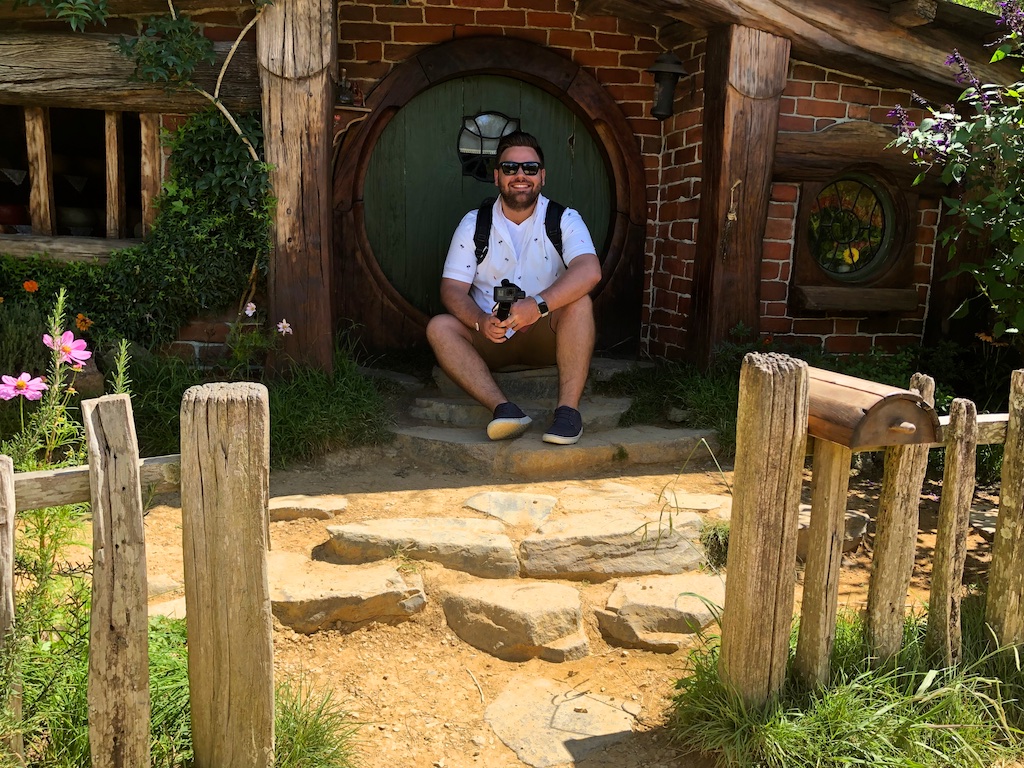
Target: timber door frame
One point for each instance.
(365, 294)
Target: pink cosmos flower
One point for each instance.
(284, 328)
(72, 350)
(250, 309)
(23, 386)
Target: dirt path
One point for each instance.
(420, 691)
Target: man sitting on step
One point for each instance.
(553, 321)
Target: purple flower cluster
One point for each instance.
(967, 77)
(903, 122)
(1011, 15)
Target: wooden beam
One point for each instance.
(131, 8)
(745, 73)
(86, 71)
(152, 167)
(860, 299)
(116, 208)
(40, 170)
(62, 248)
(858, 36)
(913, 13)
(298, 147)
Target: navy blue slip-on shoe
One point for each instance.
(566, 428)
(509, 421)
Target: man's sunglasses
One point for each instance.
(530, 168)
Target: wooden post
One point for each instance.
(152, 167)
(892, 564)
(118, 687)
(771, 436)
(7, 508)
(116, 215)
(942, 640)
(40, 170)
(297, 102)
(1004, 604)
(830, 485)
(744, 78)
(225, 459)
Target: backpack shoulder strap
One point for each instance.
(483, 228)
(553, 226)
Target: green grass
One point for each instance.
(902, 716)
(312, 730)
(714, 537)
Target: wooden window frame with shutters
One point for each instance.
(86, 71)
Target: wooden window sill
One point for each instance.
(63, 248)
(855, 299)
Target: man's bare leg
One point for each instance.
(454, 351)
(574, 345)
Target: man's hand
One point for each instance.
(493, 329)
(522, 315)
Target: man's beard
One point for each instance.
(520, 201)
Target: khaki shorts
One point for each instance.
(534, 347)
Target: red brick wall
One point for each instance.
(673, 208)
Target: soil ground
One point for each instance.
(420, 691)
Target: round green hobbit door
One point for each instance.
(433, 162)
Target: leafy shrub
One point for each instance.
(714, 537)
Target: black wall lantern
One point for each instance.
(667, 69)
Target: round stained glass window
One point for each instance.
(851, 227)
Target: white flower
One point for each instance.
(284, 328)
(250, 309)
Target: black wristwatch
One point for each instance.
(541, 305)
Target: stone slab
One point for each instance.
(599, 413)
(661, 613)
(602, 545)
(300, 506)
(478, 547)
(516, 620)
(529, 458)
(172, 609)
(547, 723)
(518, 509)
(856, 529)
(984, 522)
(310, 596)
(161, 584)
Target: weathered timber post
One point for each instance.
(7, 508)
(1004, 604)
(225, 475)
(830, 485)
(942, 640)
(771, 436)
(892, 564)
(297, 54)
(118, 687)
(745, 74)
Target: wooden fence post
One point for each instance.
(1004, 604)
(225, 475)
(118, 687)
(771, 436)
(892, 563)
(830, 485)
(7, 508)
(942, 640)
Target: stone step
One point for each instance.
(479, 547)
(599, 413)
(540, 384)
(661, 613)
(528, 457)
(311, 596)
(516, 620)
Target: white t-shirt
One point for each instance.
(519, 253)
